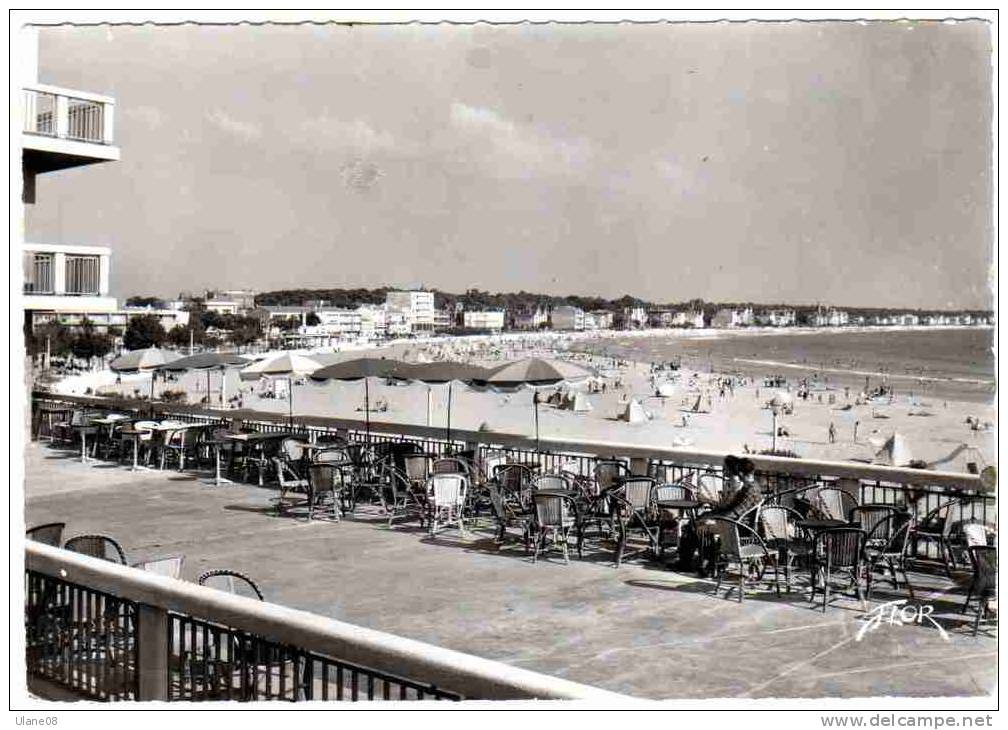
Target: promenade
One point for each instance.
(639, 630)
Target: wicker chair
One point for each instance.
(291, 483)
(938, 526)
(739, 544)
(231, 581)
(48, 534)
(983, 585)
(781, 533)
(326, 479)
(554, 516)
(710, 488)
(609, 473)
(170, 566)
(974, 534)
(888, 541)
(670, 521)
(97, 546)
(446, 497)
(399, 498)
(633, 510)
(175, 443)
(834, 503)
(838, 549)
(416, 468)
(870, 516)
(552, 482)
(515, 482)
(506, 515)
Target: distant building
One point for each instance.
(602, 319)
(567, 318)
(222, 306)
(777, 318)
(730, 318)
(662, 318)
(343, 323)
(168, 318)
(531, 320)
(492, 320)
(243, 298)
(373, 322)
(417, 306)
(831, 317)
(444, 319)
(693, 320)
(635, 317)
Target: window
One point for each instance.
(82, 275)
(38, 273)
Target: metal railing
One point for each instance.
(68, 115)
(895, 485)
(112, 632)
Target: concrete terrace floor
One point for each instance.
(640, 630)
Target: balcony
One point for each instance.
(64, 128)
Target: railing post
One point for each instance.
(152, 653)
(62, 116)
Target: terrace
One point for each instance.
(641, 629)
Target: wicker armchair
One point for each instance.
(834, 503)
(291, 483)
(446, 497)
(739, 544)
(983, 585)
(399, 498)
(938, 526)
(48, 534)
(670, 521)
(515, 482)
(888, 541)
(97, 546)
(554, 516)
(327, 480)
(231, 581)
(838, 549)
(782, 534)
(870, 516)
(633, 511)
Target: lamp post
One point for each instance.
(774, 409)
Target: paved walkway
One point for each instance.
(639, 629)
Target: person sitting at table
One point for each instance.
(740, 494)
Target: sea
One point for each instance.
(950, 363)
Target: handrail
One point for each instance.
(773, 464)
(471, 676)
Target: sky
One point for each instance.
(841, 163)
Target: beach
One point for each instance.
(928, 407)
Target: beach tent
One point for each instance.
(895, 452)
(698, 406)
(666, 389)
(578, 402)
(634, 412)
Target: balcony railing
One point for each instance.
(75, 116)
(110, 632)
(925, 490)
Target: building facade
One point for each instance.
(492, 320)
(729, 318)
(567, 318)
(417, 306)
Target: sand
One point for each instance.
(737, 421)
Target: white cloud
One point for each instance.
(248, 131)
(510, 149)
(148, 116)
(356, 135)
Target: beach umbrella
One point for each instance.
(207, 361)
(443, 372)
(536, 372)
(147, 359)
(136, 361)
(287, 365)
(360, 369)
